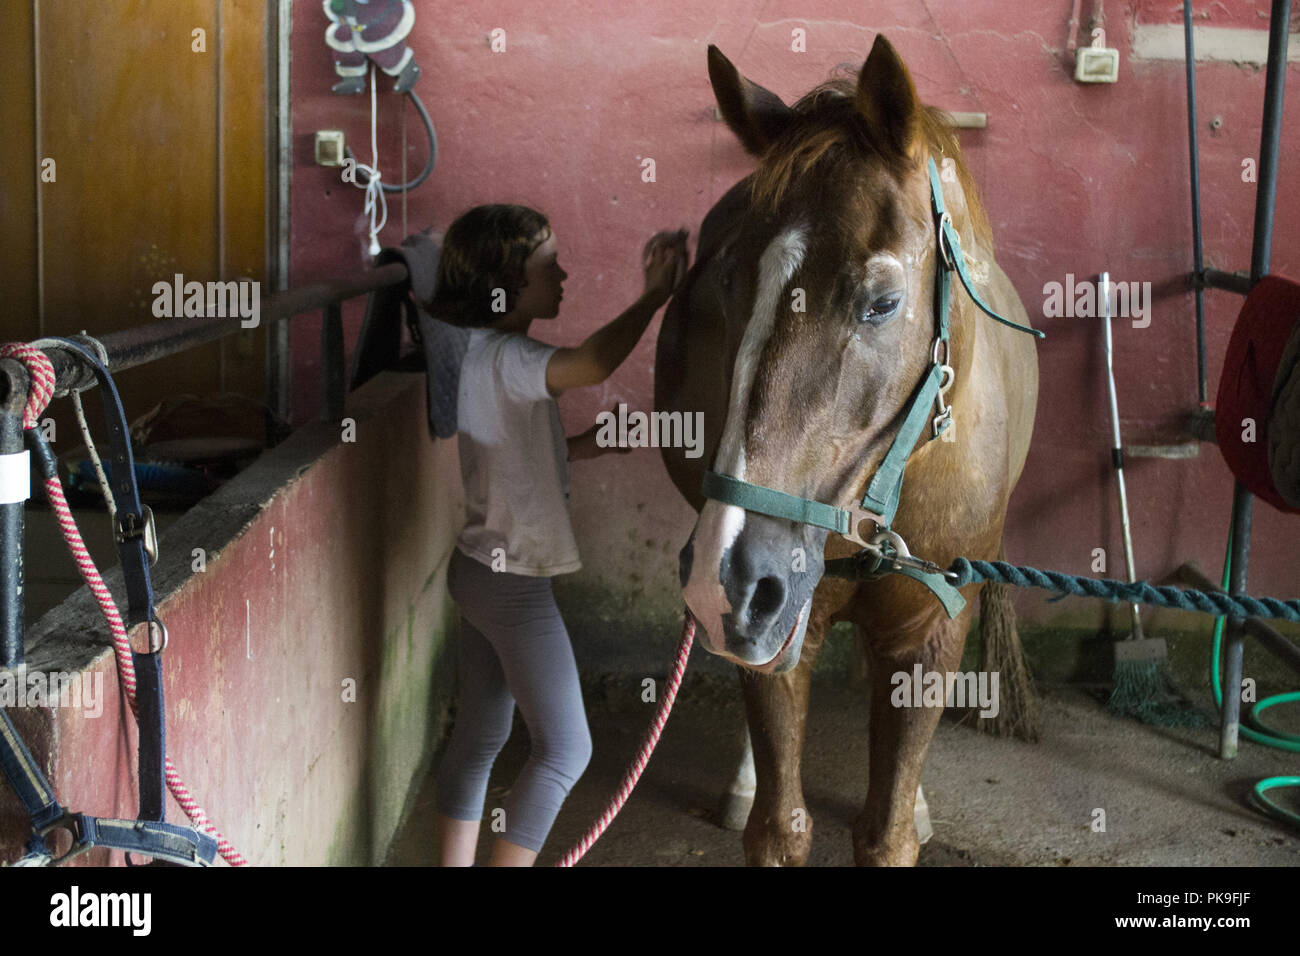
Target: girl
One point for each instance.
(498, 273)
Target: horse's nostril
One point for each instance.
(769, 596)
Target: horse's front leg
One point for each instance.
(779, 831)
(885, 833)
(738, 799)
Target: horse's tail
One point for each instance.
(1001, 652)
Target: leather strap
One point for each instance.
(131, 519)
(25, 777)
(777, 504)
(887, 484)
(167, 842)
(956, 260)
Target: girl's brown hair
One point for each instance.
(485, 250)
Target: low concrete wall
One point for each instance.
(308, 678)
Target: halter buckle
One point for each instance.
(138, 526)
(945, 248)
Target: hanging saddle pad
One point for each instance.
(443, 344)
(444, 351)
(1252, 370)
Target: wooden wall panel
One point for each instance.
(160, 152)
(18, 302)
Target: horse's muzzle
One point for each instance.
(748, 581)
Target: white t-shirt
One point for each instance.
(513, 458)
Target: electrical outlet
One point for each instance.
(1094, 64)
(329, 147)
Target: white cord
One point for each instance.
(376, 202)
(104, 486)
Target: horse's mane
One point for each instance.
(828, 130)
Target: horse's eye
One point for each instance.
(881, 309)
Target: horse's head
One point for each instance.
(829, 291)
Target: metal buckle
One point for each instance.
(69, 822)
(145, 530)
(946, 250)
(157, 638)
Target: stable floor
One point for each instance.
(1168, 799)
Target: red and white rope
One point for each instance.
(643, 756)
(42, 389)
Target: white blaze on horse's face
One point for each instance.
(720, 524)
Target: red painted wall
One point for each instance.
(1077, 179)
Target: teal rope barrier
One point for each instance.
(1109, 589)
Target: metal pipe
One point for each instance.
(1198, 264)
(1243, 503)
(1238, 282)
(1270, 139)
(279, 385)
(1200, 425)
(15, 381)
(1261, 253)
(1117, 459)
(148, 343)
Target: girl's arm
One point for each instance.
(605, 349)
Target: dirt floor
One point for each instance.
(1168, 799)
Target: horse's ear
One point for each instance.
(756, 115)
(888, 100)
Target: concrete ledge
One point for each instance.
(1165, 41)
(306, 679)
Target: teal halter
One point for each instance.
(880, 503)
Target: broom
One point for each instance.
(1144, 687)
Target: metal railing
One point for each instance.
(129, 348)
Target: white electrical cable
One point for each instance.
(376, 203)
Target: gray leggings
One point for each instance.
(513, 647)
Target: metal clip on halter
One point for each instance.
(943, 421)
(890, 547)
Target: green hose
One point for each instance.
(1261, 733)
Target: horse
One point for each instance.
(802, 331)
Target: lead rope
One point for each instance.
(643, 756)
(42, 376)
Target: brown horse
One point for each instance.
(801, 332)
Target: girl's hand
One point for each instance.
(665, 260)
(584, 445)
